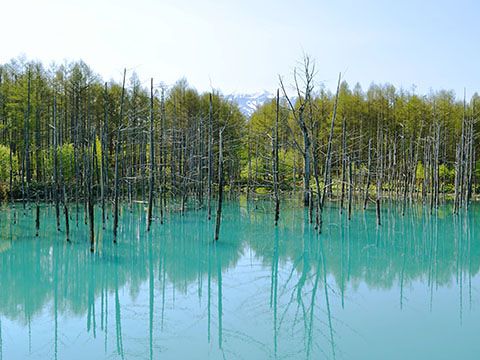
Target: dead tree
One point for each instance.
(104, 160)
(379, 173)
(117, 151)
(210, 157)
(350, 188)
(344, 164)
(61, 178)
(315, 155)
(328, 157)
(55, 163)
(26, 156)
(220, 183)
(303, 98)
(152, 160)
(90, 180)
(275, 161)
(369, 170)
(37, 161)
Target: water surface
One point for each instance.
(409, 289)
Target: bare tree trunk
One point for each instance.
(55, 163)
(306, 160)
(405, 176)
(12, 199)
(249, 155)
(152, 160)
(117, 151)
(298, 113)
(470, 164)
(90, 181)
(344, 164)
(210, 158)
(63, 186)
(220, 184)
(104, 160)
(318, 205)
(328, 158)
(369, 170)
(437, 165)
(457, 180)
(163, 157)
(37, 163)
(275, 162)
(350, 188)
(27, 141)
(379, 173)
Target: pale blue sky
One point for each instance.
(242, 46)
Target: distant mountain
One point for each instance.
(248, 103)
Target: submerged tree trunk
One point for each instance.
(220, 184)
(104, 160)
(350, 188)
(369, 167)
(328, 157)
(27, 172)
(306, 160)
(275, 162)
(344, 164)
(90, 180)
(152, 160)
(37, 164)
(318, 207)
(12, 198)
(62, 179)
(55, 163)
(210, 157)
(379, 174)
(117, 151)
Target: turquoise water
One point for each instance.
(409, 289)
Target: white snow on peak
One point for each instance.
(248, 103)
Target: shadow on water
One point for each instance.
(284, 292)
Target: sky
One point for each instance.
(242, 46)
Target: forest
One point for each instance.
(72, 140)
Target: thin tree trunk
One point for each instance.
(152, 160)
(350, 188)
(328, 157)
(344, 164)
(104, 160)
(90, 181)
(63, 186)
(210, 157)
(275, 162)
(27, 140)
(379, 174)
(37, 163)
(369, 170)
(55, 163)
(12, 198)
(117, 151)
(220, 184)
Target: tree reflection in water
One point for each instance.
(270, 292)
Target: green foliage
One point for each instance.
(398, 122)
(65, 161)
(446, 173)
(420, 175)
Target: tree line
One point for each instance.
(71, 139)
(361, 147)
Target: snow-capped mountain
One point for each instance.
(248, 103)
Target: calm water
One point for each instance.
(407, 290)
